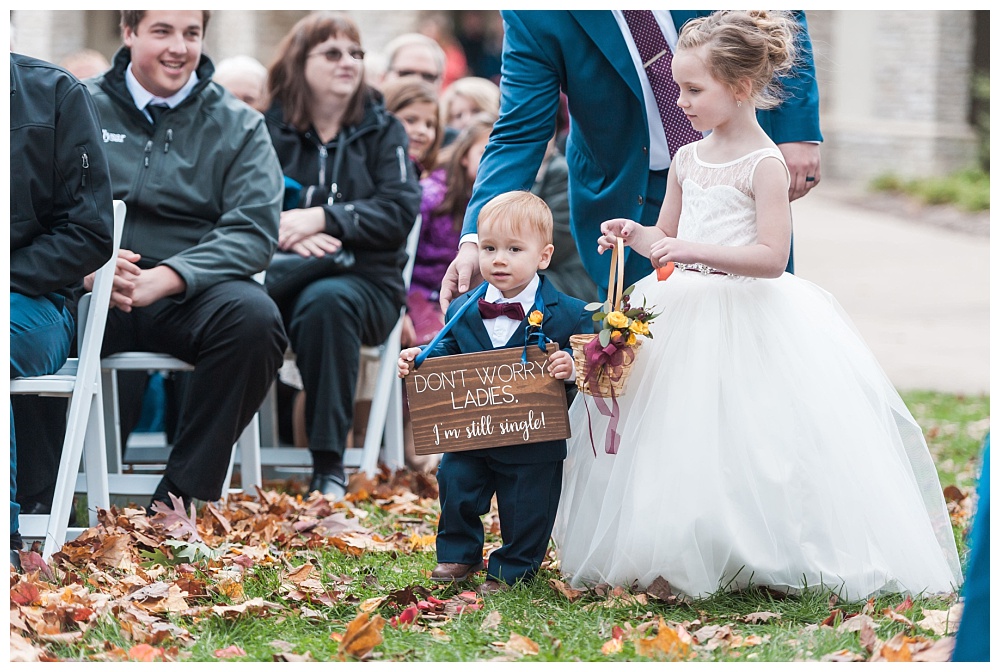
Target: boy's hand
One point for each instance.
(560, 365)
(405, 357)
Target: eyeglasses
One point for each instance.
(426, 76)
(334, 54)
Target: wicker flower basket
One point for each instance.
(604, 382)
(578, 341)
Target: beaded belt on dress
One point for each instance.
(704, 269)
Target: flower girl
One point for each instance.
(761, 442)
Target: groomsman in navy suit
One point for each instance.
(619, 145)
(515, 242)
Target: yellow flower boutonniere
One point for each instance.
(535, 318)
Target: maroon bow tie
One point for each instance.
(513, 310)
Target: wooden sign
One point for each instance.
(484, 400)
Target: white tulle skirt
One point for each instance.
(761, 443)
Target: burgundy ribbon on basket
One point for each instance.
(611, 359)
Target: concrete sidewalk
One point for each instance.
(919, 293)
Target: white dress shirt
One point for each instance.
(659, 154)
(502, 328)
(142, 97)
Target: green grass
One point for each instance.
(955, 427)
(967, 189)
(564, 630)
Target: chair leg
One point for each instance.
(95, 460)
(380, 402)
(69, 464)
(269, 417)
(250, 463)
(394, 455)
(229, 474)
(112, 422)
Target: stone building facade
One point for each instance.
(895, 86)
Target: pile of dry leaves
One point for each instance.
(143, 573)
(138, 569)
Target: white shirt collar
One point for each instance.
(526, 298)
(142, 97)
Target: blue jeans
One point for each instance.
(41, 332)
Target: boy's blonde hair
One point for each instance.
(518, 211)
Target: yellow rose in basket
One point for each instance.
(617, 319)
(535, 318)
(640, 328)
(631, 338)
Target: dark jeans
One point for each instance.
(41, 331)
(232, 333)
(330, 321)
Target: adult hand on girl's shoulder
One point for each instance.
(802, 159)
(298, 224)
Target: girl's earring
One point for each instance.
(739, 103)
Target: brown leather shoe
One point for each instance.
(455, 571)
(491, 586)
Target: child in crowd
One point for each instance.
(415, 103)
(757, 422)
(446, 193)
(467, 97)
(515, 242)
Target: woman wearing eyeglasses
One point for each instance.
(347, 156)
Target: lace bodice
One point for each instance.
(718, 197)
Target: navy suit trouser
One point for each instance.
(527, 498)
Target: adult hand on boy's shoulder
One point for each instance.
(462, 273)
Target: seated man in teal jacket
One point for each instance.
(617, 150)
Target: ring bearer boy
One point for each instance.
(515, 242)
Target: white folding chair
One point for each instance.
(80, 381)
(385, 419)
(120, 482)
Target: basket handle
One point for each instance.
(616, 285)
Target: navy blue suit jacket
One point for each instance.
(563, 316)
(584, 54)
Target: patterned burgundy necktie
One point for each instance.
(513, 310)
(656, 58)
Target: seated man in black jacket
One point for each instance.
(197, 170)
(61, 223)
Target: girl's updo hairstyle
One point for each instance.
(757, 44)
